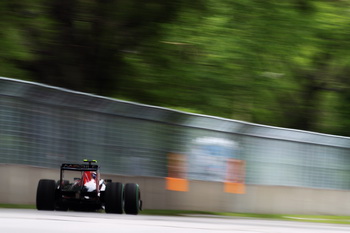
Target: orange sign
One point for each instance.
(176, 180)
(235, 178)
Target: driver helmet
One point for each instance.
(93, 175)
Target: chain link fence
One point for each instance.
(45, 126)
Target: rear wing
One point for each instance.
(79, 167)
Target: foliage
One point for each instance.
(278, 63)
(282, 63)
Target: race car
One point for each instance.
(80, 188)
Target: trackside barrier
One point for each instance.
(44, 126)
(22, 182)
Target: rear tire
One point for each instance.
(114, 198)
(45, 195)
(132, 199)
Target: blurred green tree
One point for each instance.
(80, 44)
(282, 63)
(13, 47)
(275, 62)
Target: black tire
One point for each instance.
(45, 195)
(133, 202)
(114, 198)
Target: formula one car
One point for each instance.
(80, 188)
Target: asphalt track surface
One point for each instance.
(30, 221)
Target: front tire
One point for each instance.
(45, 195)
(132, 199)
(114, 198)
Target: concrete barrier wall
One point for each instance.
(19, 183)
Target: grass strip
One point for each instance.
(301, 218)
(188, 213)
(17, 206)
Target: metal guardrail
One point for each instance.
(45, 126)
